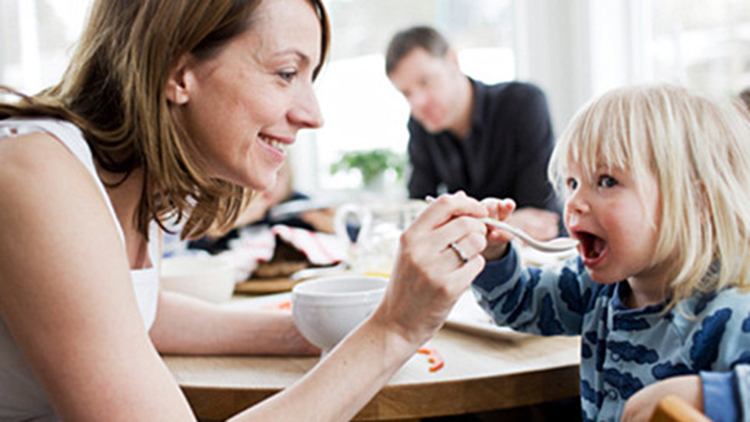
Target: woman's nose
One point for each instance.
(306, 110)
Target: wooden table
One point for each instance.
(481, 373)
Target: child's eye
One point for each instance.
(572, 184)
(607, 181)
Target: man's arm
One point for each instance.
(535, 140)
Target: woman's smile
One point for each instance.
(275, 143)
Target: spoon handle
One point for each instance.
(560, 244)
(556, 245)
(508, 228)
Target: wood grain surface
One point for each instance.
(481, 373)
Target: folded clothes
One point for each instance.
(261, 245)
(321, 249)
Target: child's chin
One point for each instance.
(602, 278)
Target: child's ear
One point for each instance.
(178, 85)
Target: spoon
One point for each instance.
(559, 244)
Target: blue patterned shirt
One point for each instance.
(622, 350)
(726, 395)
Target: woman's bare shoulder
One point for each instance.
(46, 192)
(35, 153)
(37, 166)
(65, 286)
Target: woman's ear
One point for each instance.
(177, 85)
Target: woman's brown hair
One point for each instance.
(114, 91)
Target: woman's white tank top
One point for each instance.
(21, 396)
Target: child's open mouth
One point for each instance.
(593, 248)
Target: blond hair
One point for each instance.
(114, 90)
(698, 151)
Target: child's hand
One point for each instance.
(539, 223)
(641, 405)
(497, 239)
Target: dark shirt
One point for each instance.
(505, 154)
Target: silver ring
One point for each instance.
(461, 255)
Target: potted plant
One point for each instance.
(371, 164)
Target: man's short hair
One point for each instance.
(415, 37)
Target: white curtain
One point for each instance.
(37, 38)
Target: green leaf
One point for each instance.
(370, 163)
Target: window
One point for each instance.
(572, 50)
(578, 50)
(702, 45)
(37, 39)
(361, 108)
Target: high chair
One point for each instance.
(676, 409)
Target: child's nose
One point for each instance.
(576, 203)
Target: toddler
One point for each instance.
(657, 187)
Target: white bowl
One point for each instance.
(210, 278)
(326, 309)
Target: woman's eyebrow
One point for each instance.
(302, 57)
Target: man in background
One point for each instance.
(487, 140)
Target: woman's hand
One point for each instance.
(641, 405)
(497, 239)
(430, 275)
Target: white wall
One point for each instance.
(578, 49)
(552, 52)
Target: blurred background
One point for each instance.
(573, 49)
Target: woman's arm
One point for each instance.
(185, 325)
(427, 281)
(67, 298)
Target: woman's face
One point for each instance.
(243, 107)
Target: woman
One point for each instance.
(178, 106)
